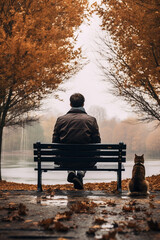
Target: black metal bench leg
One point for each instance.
(119, 178)
(39, 184)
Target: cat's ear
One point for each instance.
(135, 159)
(142, 155)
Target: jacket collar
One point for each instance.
(77, 110)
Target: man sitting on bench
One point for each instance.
(76, 127)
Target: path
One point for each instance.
(78, 215)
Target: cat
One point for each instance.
(138, 185)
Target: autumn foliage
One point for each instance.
(133, 49)
(37, 53)
(154, 183)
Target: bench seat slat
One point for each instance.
(79, 146)
(82, 159)
(76, 153)
(99, 168)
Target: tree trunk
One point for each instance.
(3, 115)
(1, 133)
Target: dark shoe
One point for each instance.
(77, 183)
(80, 178)
(71, 176)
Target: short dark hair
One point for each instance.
(77, 100)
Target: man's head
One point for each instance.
(77, 100)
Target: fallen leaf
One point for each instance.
(62, 238)
(104, 212)
(83, 207)
(35, 223)
(99, 220)
(28, 220)
(127, 208)
(13, 217)
(12, 206)
(113, 213)
(63, 216)
(151, 205)
(46, 223)
(111, 203)
(22, 209)
(132, 224)
(93, 229)
(109, 236)
(59, 227)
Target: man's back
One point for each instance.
(76, 127)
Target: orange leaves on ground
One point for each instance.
(127, 208)
(4, 185)
(62, 238)
(22, 209)
(60, 227)
(99, 220)
(14, 216)
(131, 206)
(92, 230)
(55, 223)
(47, 223)
(111, 235)
(15, 212)
(83, 207)
(63, 216)
(154, 182)
(111, 203)
(111, 187)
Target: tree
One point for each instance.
(132, 46)
(37, 53)
(97, 112)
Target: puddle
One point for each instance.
(125, 197)
(104, 229)
(107, 226)
(49, 201)
(98, 200)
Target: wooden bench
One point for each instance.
(114, 154)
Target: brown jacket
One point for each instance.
(76, 127)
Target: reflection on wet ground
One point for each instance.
(79, 215)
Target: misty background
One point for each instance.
(140, 138)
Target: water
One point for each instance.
(19, 167)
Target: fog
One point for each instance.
(140, 138)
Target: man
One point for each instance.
(76, 127)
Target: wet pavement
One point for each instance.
(78, 215)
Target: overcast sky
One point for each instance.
(89, 82)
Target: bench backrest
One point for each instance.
(79, 152)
